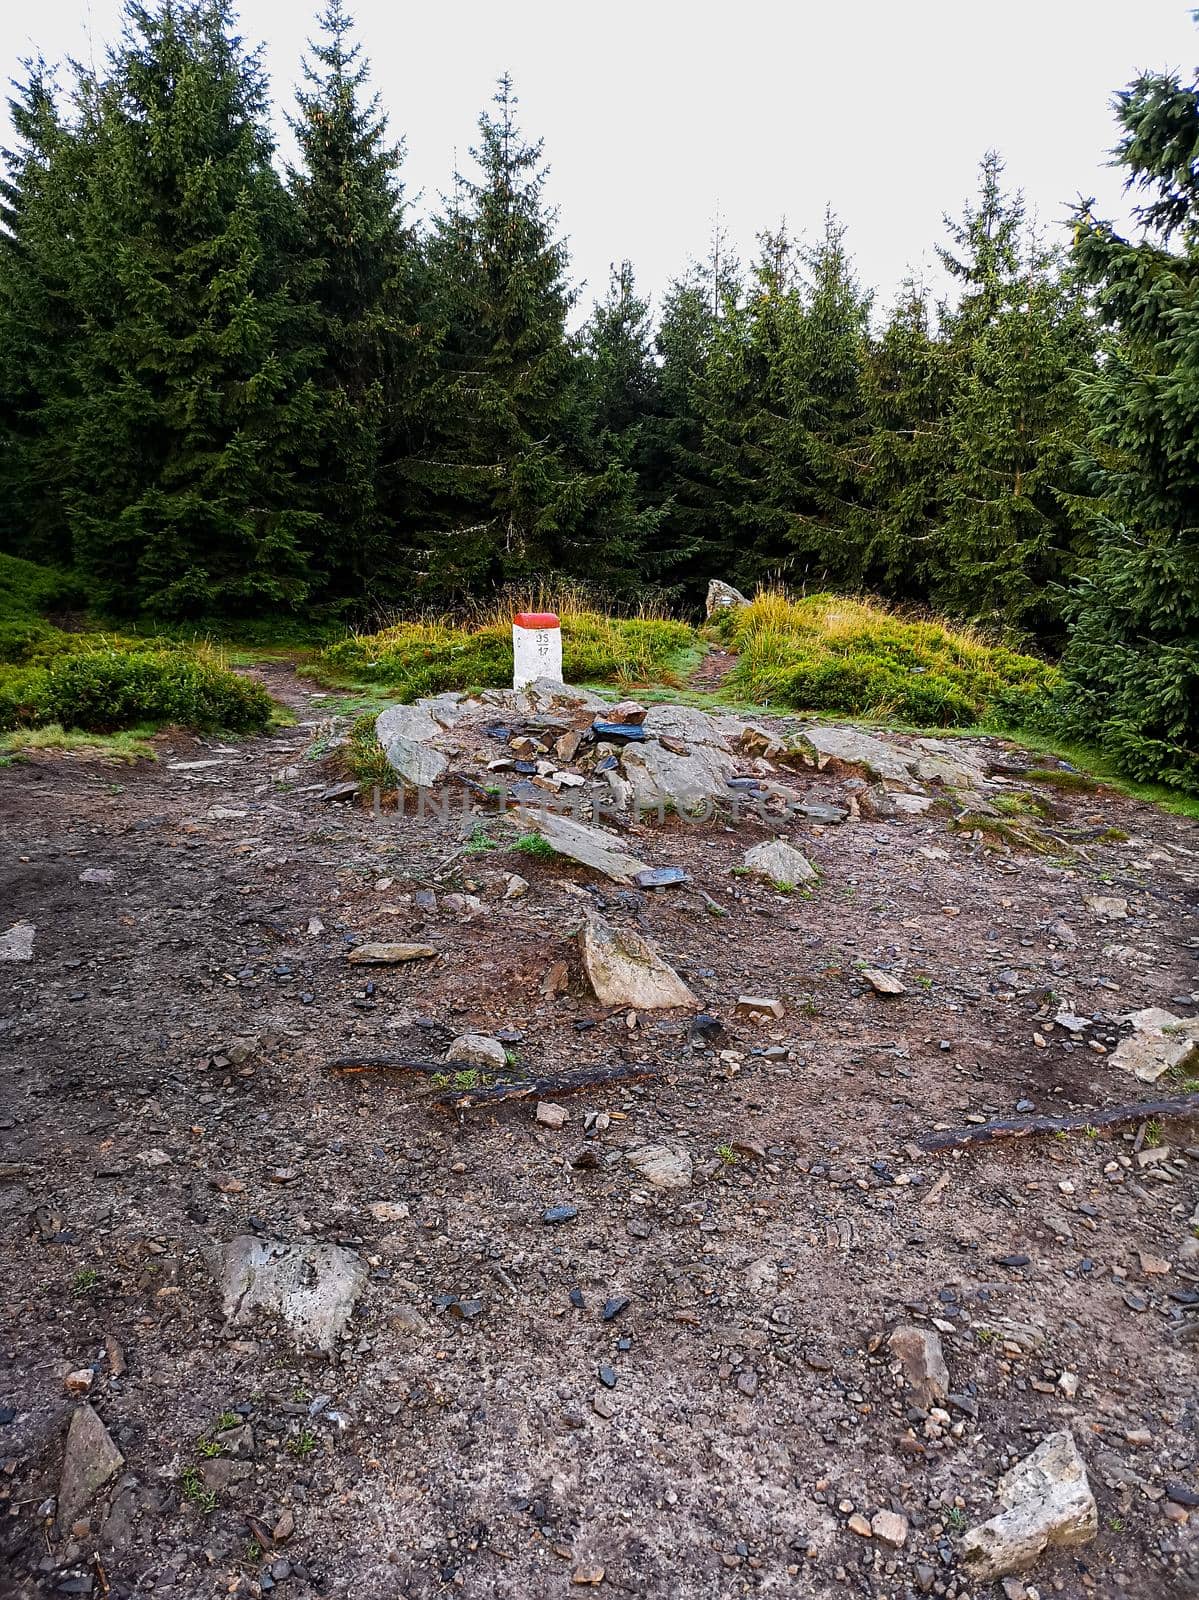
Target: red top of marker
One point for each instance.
(535, 619)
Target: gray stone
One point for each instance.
(780, 862)
(919, 1353)
(1047, 1500)
(723, 597)
(691, 725)
(478, 1050)
(311, 1285)
(661, 1166)
(104, 876)
(883, 982)
(17, 943)
(625, 970)
(854, 749)
(950, 763)
(1107, 907)
(690, 785)
(418, 766)
(547, 694)
(591, 847)
(406, 722)
(90, 1459)
(445, 709)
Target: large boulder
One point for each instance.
(625, 970)
(311, 1286)
(1047, 1500)
(694, 784)
(723, 597)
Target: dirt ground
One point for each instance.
(672, 1394)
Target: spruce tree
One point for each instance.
(490, 472)
(359, 267)
(1132, 663)
(39, 198)
(1011, 533)
(191, 416)
(509, 488)
(905, 447)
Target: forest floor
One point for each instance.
(667, 1393)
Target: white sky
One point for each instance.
(657, 112)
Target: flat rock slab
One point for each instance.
(919, 1353)
(311, 1286)
(1047, 1500)
(389, 955)
(779, 862)
(90, 1459)
(590, 847)
(17, 943)
(854, 749)
(661, 1166)
(625, 970)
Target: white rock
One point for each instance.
(98, 875)
(890, 1528)
(17, 943)
(723, 597)
(625, 970)
(1160, 1041)
(551, 1115)
(661, 1166)
(1107, 907)
(478, 1050)
(1047, 1500)
(515, 887)
(388, 1210)
(780, 862)
(312, 1285)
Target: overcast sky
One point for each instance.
(659, 113)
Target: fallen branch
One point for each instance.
(553, 1084)
(1185, 1105)
(495, 1093)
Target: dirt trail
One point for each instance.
(689, 1389)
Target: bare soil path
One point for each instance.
(688, 1391)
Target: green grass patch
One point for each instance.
(416, 658)
(364, 758)
(533, 844)
(823, 653)
(128, 746)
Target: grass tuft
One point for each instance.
(856, 657)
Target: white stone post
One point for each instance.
(536, 647)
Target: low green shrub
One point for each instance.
(823, 653)
(102, 690)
